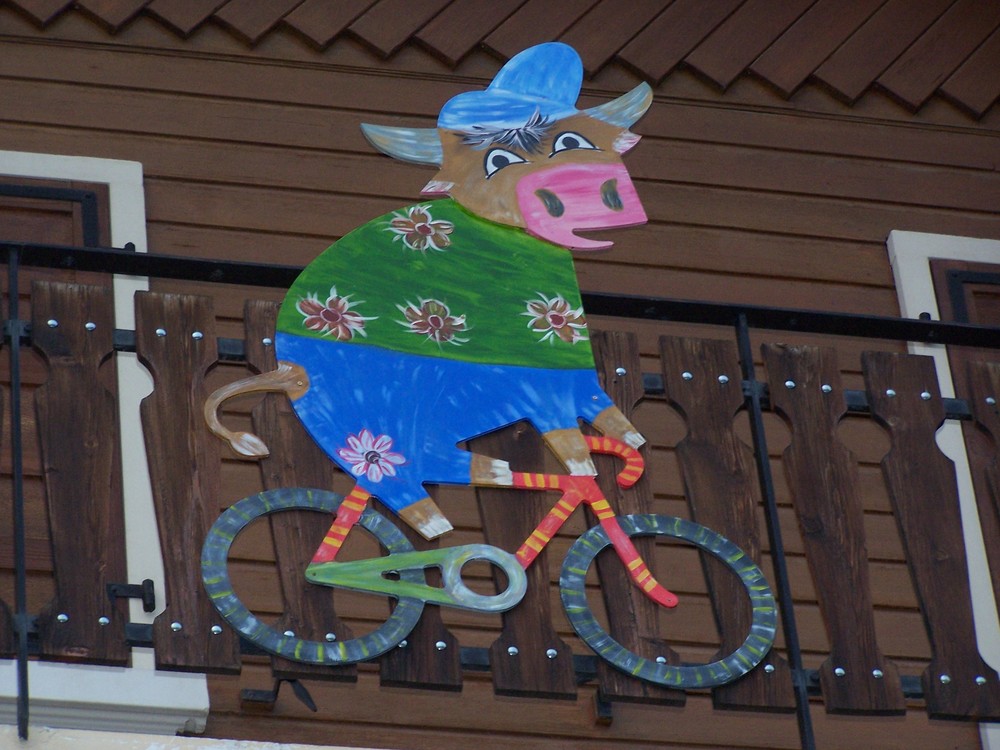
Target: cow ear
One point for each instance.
(417, 145)
(626, 109)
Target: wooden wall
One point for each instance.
(255, 154)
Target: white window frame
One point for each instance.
(910, 254)
(139, 698)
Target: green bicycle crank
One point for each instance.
(379, 575)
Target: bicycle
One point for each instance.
(400, 573)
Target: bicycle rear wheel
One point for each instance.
(215, 576)
(725, 669)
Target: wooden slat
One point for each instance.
(388, 24)
(251, 19)
(184, 469)
(824, 480)
(508, 517)
(43, 11)
(112, 13)
(743, 36)
(534, 22)
(788, 62)
(723, 494)
(632, 616)
(984, 384)
(183, 16)
(918, 72)
(924, 495)
(884, 37)
(606, 28)
(976, 86)
(78, 428)
(295, 461)
(458, 28)
(667, 39)
(322, 20)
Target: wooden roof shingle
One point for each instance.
(911, 51)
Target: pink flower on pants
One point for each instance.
(370, 456)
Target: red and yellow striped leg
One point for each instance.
(555, 518)
(348, 513)
(634, 463)
(629, 555)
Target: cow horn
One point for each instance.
(417, 145)
(626, 109)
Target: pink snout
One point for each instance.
(558, 201)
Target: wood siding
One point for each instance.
(256, 155)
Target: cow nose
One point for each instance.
(610, 197)
(551, 202)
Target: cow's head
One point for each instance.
(521, 153)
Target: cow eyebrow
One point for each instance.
(528, 137)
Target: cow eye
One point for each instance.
(569, 140)
(498, 158)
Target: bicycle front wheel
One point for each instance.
(725, 669)
(215, 576)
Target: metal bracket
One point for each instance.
(267, 698)
(142, 591)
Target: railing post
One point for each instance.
(753, 401)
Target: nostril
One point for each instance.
(551, 201)
(610, 197)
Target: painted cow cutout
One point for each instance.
(460, 315)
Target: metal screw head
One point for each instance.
(839, 671)
(289, 634)
(925, 395)
(216, 630)
(53, 323)
(661, 660)
(551, 653)
(62, 617)
(330, 637)
(512, 651)
(621, 371)
(991, 401)
(197, 335)
(944, 679)
(980, 680)
(769, 668)
(161, 332)
(176, 626)
(440, 645)
(890, 392)
(90, 326)
(877, 674)
(102, 621)
(723, 379)
(266, 341)
(789, 384)
(404, 643)
(687, 375)
(826, 388)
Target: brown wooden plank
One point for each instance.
(922, 487)
(742, 37)
(883, 38)
(788, 62)
(606, 28)
(461, 26)
(295, 461)
(389, 24)
(113, 14)
(183, 16)
(856, 677)
(632, 616)
(508, 517)
(250, 19)
(535, 22)
(322, 20)
(43, 11)
(78, 426)
(918, 72)
(723, 494)
(983, 395)
(667, 39)
(976, 86)
(184, 469)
